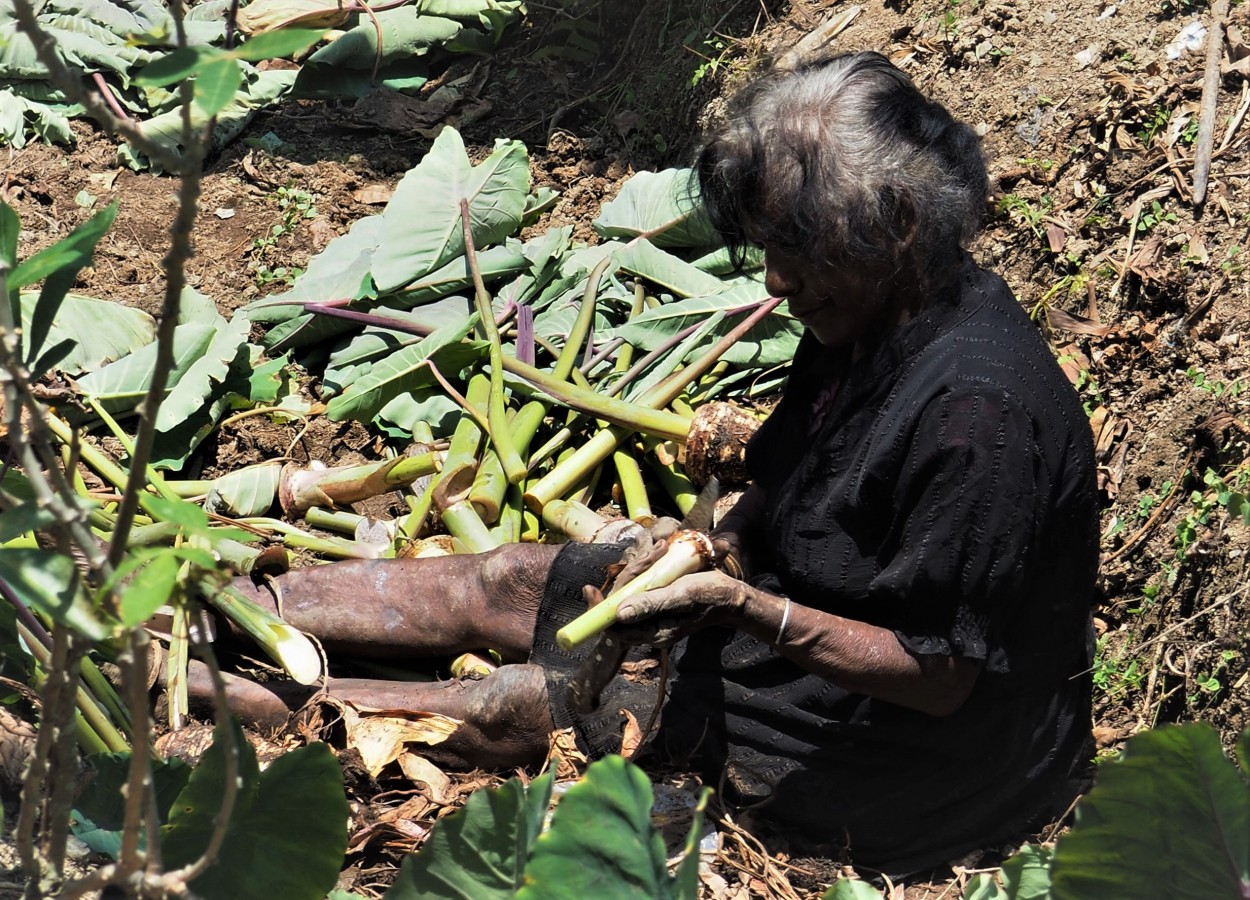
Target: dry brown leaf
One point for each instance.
(1056, 237)
(373, 194)
(412, 809)
(265, 15)
(420, 770)
(565, 755)
(379, 735)
(1146, 258)
(631, 740)
(1065, 321)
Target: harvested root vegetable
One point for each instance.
(688, 552)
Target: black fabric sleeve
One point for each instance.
(966, 505)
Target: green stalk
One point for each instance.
(466, 440)
(176, 668)
(298, 539)
(569, 473)
(95, 724)
(413, 524)
(105, 694)
(644, 416)
(154, 477)
(687, 552)
(559, 480)
(286, 645)
(451, 496)
(680, 488)
(340, 520)
(576, 521)
(500, 435)
(489, 486)
(633, 488)
(511, 516)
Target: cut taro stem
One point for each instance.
(286, 645)
(301, 489)
(688, 552)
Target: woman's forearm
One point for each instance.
(859, 657)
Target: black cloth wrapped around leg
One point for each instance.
(599, 732)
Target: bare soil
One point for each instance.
(1089, 125)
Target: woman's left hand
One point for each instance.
(666, 615)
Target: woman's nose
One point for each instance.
(780, 279)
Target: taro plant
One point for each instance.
(600, 843)
(1169, 818)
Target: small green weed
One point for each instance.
(294, 206)
(1115, 675)
(1031, 213)
(1224, 496)
(1151, 218)
(1217, 389)
(1232, 264)
(1209, 684)
(1154, 124)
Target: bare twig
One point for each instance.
(1210, 99)
(230, 793)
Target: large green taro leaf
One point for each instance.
(1171, 819)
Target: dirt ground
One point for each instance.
(1090, 127)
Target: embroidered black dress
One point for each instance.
(945, 489)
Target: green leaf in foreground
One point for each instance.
(601, 843)
(216, 84)
(49, 583)
(1026, 876)
(852, 889)
(100, 810)
(479, 851)
(1170, 818)
(287, 834)
(274, 44)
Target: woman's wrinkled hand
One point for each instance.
(664, 616)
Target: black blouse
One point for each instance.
(944, 488)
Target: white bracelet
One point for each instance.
(785, 620)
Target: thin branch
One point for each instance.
(221, 822)
(1210, 99)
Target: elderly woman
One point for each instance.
(902, 665)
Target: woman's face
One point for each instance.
(840, 306)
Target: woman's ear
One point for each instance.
(898, 221)
(904, 223)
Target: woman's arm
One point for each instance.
(853, 655)
(859, 657)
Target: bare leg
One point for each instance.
(406, 608)
(506, 717)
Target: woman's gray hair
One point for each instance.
(843, 160)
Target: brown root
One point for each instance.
(716, 444)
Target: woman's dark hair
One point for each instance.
(844, 160)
